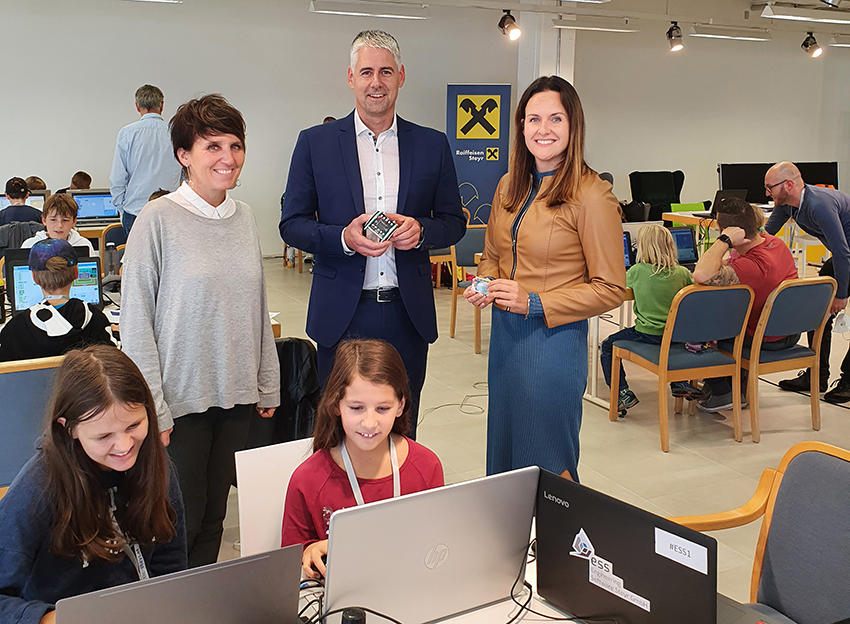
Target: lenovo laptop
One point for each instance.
(251, 590)
(433, 554)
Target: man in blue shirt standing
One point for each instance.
(825, 214)
(144, 160)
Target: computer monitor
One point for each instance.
(750, 176)
(23, 292)
(36, 199)
(94, 204)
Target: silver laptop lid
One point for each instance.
(433, 554)
(258, 589)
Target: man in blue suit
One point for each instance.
(342, 172)
(824, 213)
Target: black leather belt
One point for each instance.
(381, 295)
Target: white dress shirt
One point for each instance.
(379, 173)
(186, 196)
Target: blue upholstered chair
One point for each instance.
(698, 314)
(802, 558)
(463, 255)
(795, 307)
(25, 388)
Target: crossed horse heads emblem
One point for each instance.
(478, 115)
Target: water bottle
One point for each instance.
(110, 259)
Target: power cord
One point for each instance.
(466, 406)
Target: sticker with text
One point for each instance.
(681, 550)
(602, 572)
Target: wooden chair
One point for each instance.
(802, 557)
(695, 317)
(113, 233)
(463, 255)
(25, 388)
(444, 254)
(795, 307)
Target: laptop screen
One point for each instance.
(36, 200)
(95, 206)
(685, 244)
(627, 249)
(26, 293)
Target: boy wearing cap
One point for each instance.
(17, 210)
(59, 323)
(60, 217)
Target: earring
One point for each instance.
(238, 183)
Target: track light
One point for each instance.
(833, 3)
(810, 46)
(509, 27)
(674, 36)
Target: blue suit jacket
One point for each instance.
(324, 193)
(825, 214)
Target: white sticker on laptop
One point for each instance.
(681, 550)
(602, 572)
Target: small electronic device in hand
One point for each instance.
(482, 285)
(379, 227)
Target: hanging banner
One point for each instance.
(478, 124)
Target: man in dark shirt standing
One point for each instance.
(17, 210)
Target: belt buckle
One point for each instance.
(380, 298)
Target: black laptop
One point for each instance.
(719, 197)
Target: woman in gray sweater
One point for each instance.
(198, 327)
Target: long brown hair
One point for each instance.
(88, 382)
(567, 181)
(375, 361)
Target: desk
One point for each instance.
(93, 232)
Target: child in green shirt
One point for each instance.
(655, 279)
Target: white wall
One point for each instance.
(716, 101)
(80, 62)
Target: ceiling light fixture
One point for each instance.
(839, 41)
(710, 31)
(823, 16)
(674, 36)
(509, 27)
(833, 3)
(810, 46)
(395, 10)
(595, 25)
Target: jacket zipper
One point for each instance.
(515, 225)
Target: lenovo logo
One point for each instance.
(555, 499)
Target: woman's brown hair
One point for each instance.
(206, 116)
(567, 180)
(375, 361)
(87, 383)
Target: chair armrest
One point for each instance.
(751, 511)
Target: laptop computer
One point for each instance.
(433, 554)
(95, 207)
(686, 246)
(719, 197)
(628, 250)
(262, 588)
(36, 200)
(23, 292)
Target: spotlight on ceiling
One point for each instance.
(509, 27)
(833, 3)
(810, 46)
(674, 36)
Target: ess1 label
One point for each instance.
(681, 550)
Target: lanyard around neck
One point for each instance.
(352, 478)
(133, 552)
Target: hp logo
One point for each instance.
(436, 556)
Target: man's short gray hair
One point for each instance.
(375, 39)
(149, 97)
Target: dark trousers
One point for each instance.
(723, 385)
(387, 321)
(127, 220)
(202, 449)
(826, 340)
(606, 356)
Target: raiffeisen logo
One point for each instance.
(555, 499)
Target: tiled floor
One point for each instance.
(705, 471)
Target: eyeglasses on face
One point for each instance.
(769, 187)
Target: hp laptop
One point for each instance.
(95, 207)
(250, 590)
(721, 196)
(434, 554)
(686, 246)
(23, 292)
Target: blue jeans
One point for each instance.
(723, 385)
(127, 220)
(607, 355)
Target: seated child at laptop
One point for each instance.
(655, 279)
(59, 216)
(59, 323)
(360, 453)
(98, 505)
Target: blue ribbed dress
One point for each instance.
(536, 378)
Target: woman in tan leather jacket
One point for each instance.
(554, 250)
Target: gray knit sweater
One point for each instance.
(194, 316)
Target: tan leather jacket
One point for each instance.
(571, 256)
